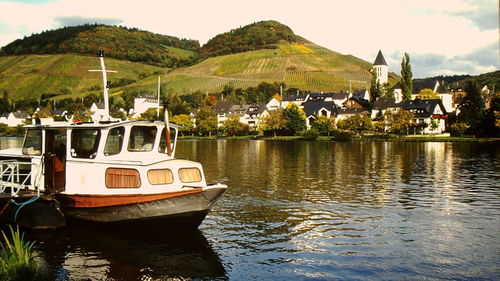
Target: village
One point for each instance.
(430, 106)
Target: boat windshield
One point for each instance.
(33, 142)
(84, 143)
(114, 141)
(163, 141)
(142, 138)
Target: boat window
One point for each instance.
(163, 141)
(122, 178)
(160, 176)
(142, 138)
(33, 143)
(114, 141)
(190, 175)
(84, 143)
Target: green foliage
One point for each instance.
(406, 77)
(151, 114)
(324, 125)
(400, 122)
(17, 260)
(358, 123)
(248, 38)
(295, 118)
(310, 134)
(118, 42)
(185, 121)
(207, 126)
(273, 122)
(232, 126)
(458, 129)
(6, 131)
(339, 135)
(427, 94)
(472, 108)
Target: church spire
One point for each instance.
(380, 60)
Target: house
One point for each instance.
(426, 113)
(98, 111)
(435, 86)
(298, 99)
(273, 104)
(382, 105)
(315, 108)
(14, 119)
(253, 114)
(364, 94)
(344, 113)
(144, 102)
(222, 109)
(355, 102)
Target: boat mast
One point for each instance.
(105, 84)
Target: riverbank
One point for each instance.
(392, 138)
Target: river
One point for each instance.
(299, 210)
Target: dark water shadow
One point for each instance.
(127, 252)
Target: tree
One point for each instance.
(472, 108)
(400, 122)
(202, 114)
(207, 126)
(233, 126)
(295, 118)
(427, 94)
(323, 124)
(273, 122)
(357, 123)
(406, 77)
(375, 87)
(185, 121)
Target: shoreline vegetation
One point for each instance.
(388, 138)
(18, 260)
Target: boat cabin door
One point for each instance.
(55, 160)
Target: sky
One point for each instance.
(442, 37)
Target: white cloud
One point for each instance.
(451, 28)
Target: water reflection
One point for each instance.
(87, 252)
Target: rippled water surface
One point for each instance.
(312, 210)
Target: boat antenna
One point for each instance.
(105, 84)
(167, 132)
(158, 106)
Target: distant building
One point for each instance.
(144, 102)
(315, 108)
(14, 119)
(381, 68)
(425, 112)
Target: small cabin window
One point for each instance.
(33, 143)
(122, 178)
(190, 175)
(114, 141)
(163, 141)
(84, 143)
(160, 176)
(142, 138)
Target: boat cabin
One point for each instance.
(105, 158)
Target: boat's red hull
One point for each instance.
(116, 208)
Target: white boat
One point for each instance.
(109, 171)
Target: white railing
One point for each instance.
(18, 176)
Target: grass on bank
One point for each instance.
(17, 259)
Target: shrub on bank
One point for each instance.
(17, 261)
(310, 134)
(342, 135)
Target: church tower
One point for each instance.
(381, 68)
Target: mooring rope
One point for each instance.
(21, 205)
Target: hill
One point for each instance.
(118, 42)
(29, 77)
(256, 36)
(278, 56)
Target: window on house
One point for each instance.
(114, 141)
(84, 143)
(142, 138)
(33, 143)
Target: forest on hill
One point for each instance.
(118, 42)
(256, 36)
